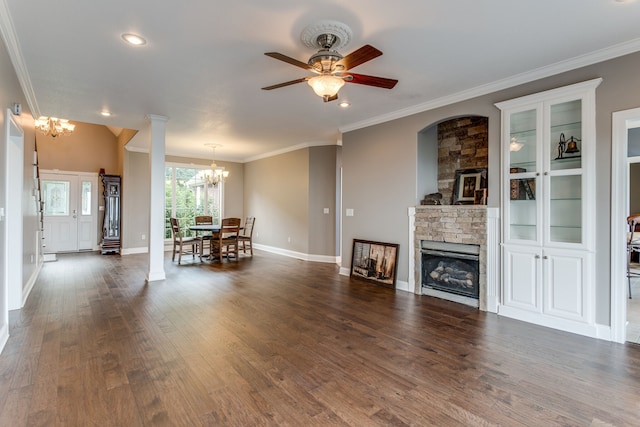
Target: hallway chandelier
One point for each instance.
(54, 126)
(217, 173)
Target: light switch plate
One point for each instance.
(349, 212)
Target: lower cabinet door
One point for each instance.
(521, 278)
(566, 284)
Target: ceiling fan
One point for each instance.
(331, 68)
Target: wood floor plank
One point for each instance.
(270, 340)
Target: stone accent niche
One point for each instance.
(466, 224)
(463, 143)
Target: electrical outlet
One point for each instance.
(144, 236)
(349, 212)
(326, 210)
(289, 239)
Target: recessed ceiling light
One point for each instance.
(344, 104)
(105, 113)
(134, 39)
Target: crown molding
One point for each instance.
(289, 149)
(529, 76)
(15, 53)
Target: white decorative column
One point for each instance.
(156, 198)
(414, 285)
(493, 259)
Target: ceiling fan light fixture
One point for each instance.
(326, 85)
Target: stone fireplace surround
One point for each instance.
(467, 224)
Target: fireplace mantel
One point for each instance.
(468, 224)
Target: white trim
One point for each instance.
(15, 53)
(246, 160)
(634, 159)
(492, 288)
(586, 329)
(411, 276)
(298, 255)
(13, 221)
(529, 76)
(620, 124)
(4, 336)
(74, 173)
(30, 283)
(401, 285)
(133, 251)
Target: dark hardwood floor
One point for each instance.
(271, 340)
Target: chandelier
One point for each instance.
(217, 173)
(54, 126)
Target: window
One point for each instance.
(56, 198)
(188, 194)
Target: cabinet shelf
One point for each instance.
(556, 128)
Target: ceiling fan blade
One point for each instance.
(292, 82)
(371, 80)
(288, 60)
(360, 56)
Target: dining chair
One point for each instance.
(206, 237)
(184, 245)
(633, 246)
(228, 237)
(247, 235)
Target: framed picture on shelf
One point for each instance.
(480, 197)
(467, 181)
(375, 262)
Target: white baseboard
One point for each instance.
(401, 285)
(49, 257)
(30, 283)
(298, 255)
(4, 336)
(132, 251)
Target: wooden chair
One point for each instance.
(633, 245)
(247, 235)
(184, 245)
(228, 240)
(206, 238)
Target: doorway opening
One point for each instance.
(622, 123)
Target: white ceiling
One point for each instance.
(204, 63)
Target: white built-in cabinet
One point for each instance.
(548, 195)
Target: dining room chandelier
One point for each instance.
(54, 126)
(217, 173)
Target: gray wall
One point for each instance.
(287, 194)
(381, 209)
(11, 92)
(322, 194)
(427, 162)
(135, 194)
(277, 194)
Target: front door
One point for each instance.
(70, 220)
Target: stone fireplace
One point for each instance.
(469, 230)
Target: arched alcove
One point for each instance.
(448, 146)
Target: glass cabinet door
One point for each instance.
(564, 197)
(523, 165)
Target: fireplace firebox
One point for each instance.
(451, 267)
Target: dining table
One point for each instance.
(215, 231)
